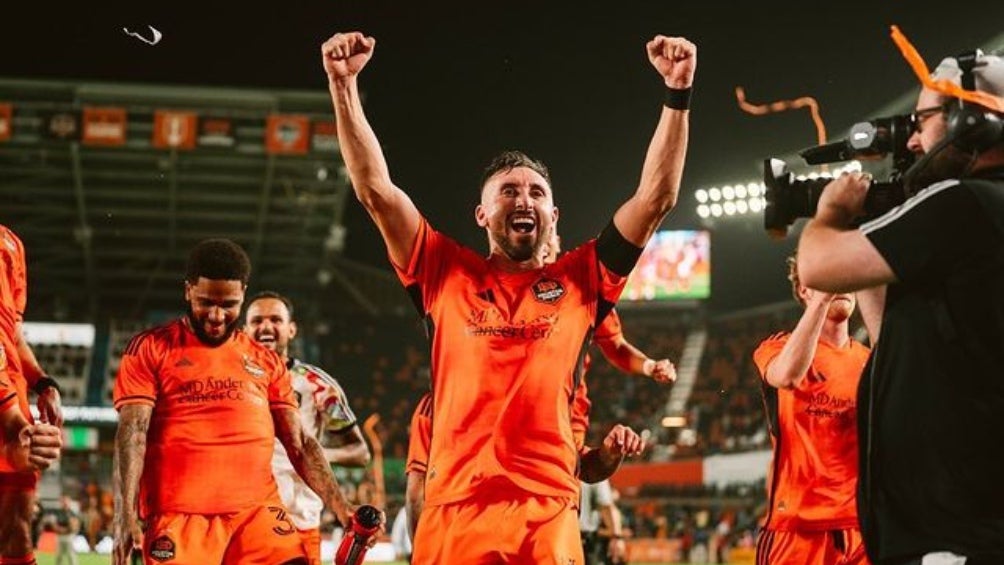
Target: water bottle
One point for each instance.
(363, 524)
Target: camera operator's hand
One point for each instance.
(675, 58)
(843, 200)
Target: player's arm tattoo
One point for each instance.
(308, 459)
(130, 450)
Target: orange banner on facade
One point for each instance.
(287, 134)
(6, 127)
(104, 126)
(686, 472)
(174, 130)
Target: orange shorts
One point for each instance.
(261, 535)
(827, 547)
(311, 540)
(499, 527)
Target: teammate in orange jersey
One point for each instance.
(200, 406)
(810, 381)
(324, 413)
(26, 447)
(507, 331)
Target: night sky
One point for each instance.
(452, 84)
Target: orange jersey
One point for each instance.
(506, 352)
(13, 299)
(814, 433)
(210, 442)
(420, 433)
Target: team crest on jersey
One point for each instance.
(252, 368)
(162, 549)
(548, 291)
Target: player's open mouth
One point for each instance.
(523, 224)
(265, 338)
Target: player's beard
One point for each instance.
(525, 247)
(200, 331)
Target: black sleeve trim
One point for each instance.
(615, 252)
(415, 294)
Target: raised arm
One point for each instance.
(788, 369)
(397, 218)
(130, 452)
(637, 219)
(308, 459)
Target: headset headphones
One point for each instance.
(971, 127)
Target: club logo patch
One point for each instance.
(548, 291)
(162, 549)
(252, 368)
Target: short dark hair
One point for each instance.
(266, 294)
(509, 160)
(218, 259)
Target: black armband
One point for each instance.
(45, 382)
(615, 252)
(678, 98)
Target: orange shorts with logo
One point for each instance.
(311, 540)
(262, 535)
(826, 547)
(499, 527)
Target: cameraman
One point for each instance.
(931, 399)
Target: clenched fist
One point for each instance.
(345, 54)
(675, 58)
(43, 442)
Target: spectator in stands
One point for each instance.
(810, 378)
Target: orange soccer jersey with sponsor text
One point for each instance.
(211, 437)
(814, 434)
(507, 352)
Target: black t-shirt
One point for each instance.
(931, 400)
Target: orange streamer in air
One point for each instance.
(783, 105)
(943, 86)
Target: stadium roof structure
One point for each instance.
(109, 185)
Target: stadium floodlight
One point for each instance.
(754, 189)
(728, 193)
(703, 211)
(756, 204)
(716, 209)
(701, 195)
(715, 194)
(730, 208)
(740, 191)
(741, 206)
